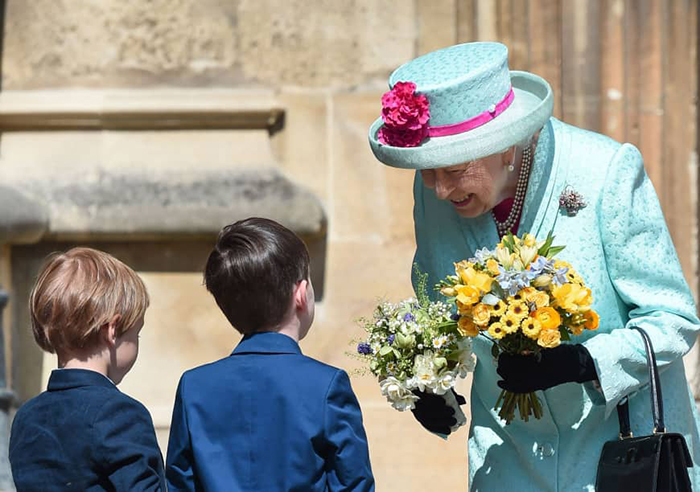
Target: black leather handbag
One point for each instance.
(655, 463)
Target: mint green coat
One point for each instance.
(620, 245)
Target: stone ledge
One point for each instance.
(147, 207)
(165, 109)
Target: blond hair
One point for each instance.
(80, 291)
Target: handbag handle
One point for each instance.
(657, 409)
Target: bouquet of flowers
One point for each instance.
(416, 344)
(524, 300)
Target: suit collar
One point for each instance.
(267, 343)
(62, 379)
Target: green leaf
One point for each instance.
(554, 250)
(544, 249)
(397, 354)
(498, 291)
(494, 350)
(564, 334)
(385, 350)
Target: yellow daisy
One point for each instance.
(509, 323)
(496, 331)
(518, 309)
(531, 328)
(499, 309)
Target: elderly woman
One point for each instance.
(491, 159)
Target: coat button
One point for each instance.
(547, 450)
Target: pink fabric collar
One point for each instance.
(475, 122)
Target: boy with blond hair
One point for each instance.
(82, 433)
(266, 418)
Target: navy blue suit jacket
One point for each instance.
(83, 434)
(267, 418)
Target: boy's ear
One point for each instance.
(109, 330)
(300, 299)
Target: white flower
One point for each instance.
(439, 342)
(424, 373)
(376, 346)
(444, 384)
(397, 394)
(466, 361)
(391, 366)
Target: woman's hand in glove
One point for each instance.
(433, 413)
(563, 364)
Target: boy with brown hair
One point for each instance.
(266, 418)
(83, 434)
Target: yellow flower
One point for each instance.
(539, 299)
(497, 331)
(531, 328)
(559, 264)
(574, 277)
(528, 254)
(466, 327)
(481, 314)
(518, 309)
(464, 310)
(592, 320)
(499, 309)
(548, 317)
(509, 323)
(462, 265)
(492, 266)
(542, 280)
(448, 291)
(573, 298)
(576, 329)
(505, 257)
(549, 339)
(529, 240)
(518, 297)
(467, 295)
(478, 280)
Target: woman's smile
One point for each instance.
(463, 202)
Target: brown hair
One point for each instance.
(77, 293)
(253, 270)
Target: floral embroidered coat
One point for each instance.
(621, 246)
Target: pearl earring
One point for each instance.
(511, 166)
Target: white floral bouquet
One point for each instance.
(416, 345)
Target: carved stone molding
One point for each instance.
(166, 109)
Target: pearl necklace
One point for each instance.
(504, 227)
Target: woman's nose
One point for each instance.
(442, 188)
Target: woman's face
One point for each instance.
(474, 187)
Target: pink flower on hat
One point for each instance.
(405, 115)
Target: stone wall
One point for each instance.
(327, 62)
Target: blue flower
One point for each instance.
(540, 265)
(455, 317)
(559, 276)
(481, 255)
(390, 339)
(409, 317)
(364, 349)
(512, 281)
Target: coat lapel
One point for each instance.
(548, 179)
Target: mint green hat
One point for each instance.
(456, 105)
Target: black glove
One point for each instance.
(433, 413)
(563, 364)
